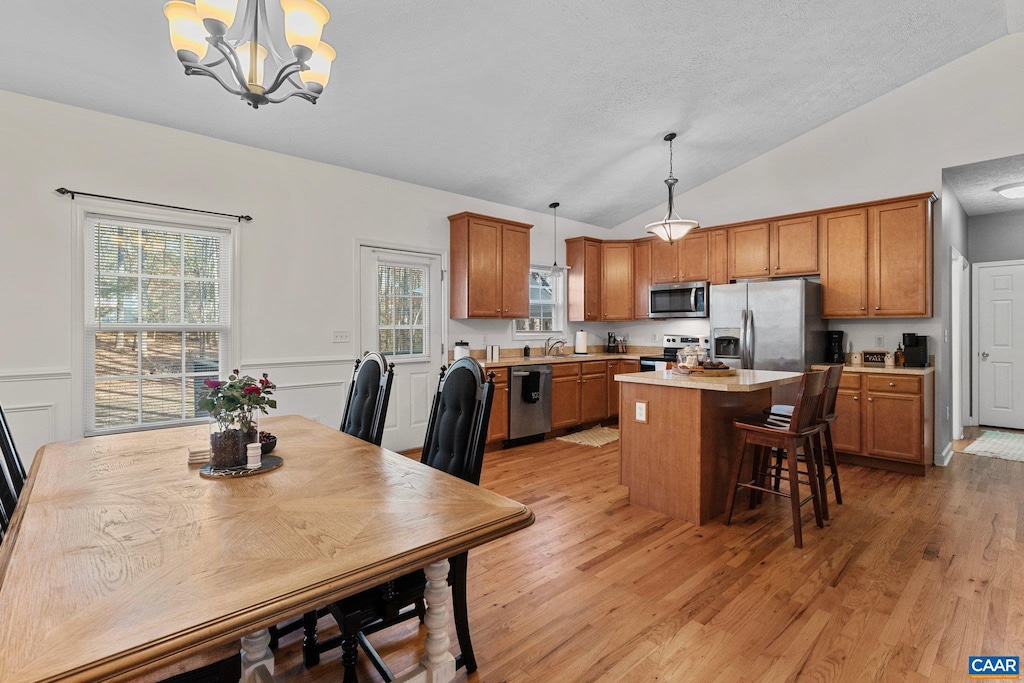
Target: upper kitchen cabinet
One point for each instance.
(583, 256)
(617, 289)
(749, 250)
(794, 246)
(490, 267)
(718, 257)
(642, 277)
(878, 259)
(684, 260)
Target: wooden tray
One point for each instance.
(701, 372)
(270, 462)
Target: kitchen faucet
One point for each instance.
(551, 343)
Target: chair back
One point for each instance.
(12, 475)
(831, 395)
(808, 401)
(367, 405)
(457, 430)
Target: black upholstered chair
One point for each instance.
(454, 443)
(367, 406)
(12, 475)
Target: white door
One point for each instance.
(1001, 343)
(400, 316)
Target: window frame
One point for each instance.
(558, 301)
(85, 211)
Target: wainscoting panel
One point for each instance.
(38, 408)
(312, 387)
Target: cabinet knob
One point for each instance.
(862, 308)
(892, 384)
(856, 398)
(766, 267)
(876, 308)
(776, 267)
(871, 400)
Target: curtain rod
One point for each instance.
(66, 191)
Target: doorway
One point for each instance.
(999, 341)
(401, 305)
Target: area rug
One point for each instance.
(1005, 445)
(595, 436)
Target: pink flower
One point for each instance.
(212, 383)
(252, 390)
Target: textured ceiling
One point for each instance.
(520, 102)
(973, 184)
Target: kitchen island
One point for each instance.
(675, 456)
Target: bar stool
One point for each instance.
(826, 449)
(766, 432)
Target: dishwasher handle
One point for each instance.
(518, 373)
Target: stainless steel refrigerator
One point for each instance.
(767, 325)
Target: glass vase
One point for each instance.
(229, 436)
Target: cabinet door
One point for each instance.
(594, 397)
(592, 280)
(892, 426)
(641, 279)
(515, 271)
(614, 368)
(844, 273)
(484, 269)
(565, 401)
(718, 257)
(794, 246)
(664, 261)
(617, 280)
(693, 257)
(748, 251)
(847, 425)
(901, 250)
(497, 427)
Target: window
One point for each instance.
(157, 321)
(546, 315)
(402, 328)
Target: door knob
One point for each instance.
(984, 354)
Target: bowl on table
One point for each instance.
(267, 442)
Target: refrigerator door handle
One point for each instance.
(743, 338)
(750, 339)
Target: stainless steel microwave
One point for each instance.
(679, 300)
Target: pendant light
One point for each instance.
(556, 269)
(672, 227)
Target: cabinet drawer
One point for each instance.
(500, 374)
(849, 380)
(894, 384)
(594, 367)
(565, 370)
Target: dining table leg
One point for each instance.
(256, 653)
(438, 664)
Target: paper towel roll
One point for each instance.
(581, 342)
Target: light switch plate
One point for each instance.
(341, 337)
(641, 411)
(879, 341)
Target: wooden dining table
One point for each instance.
(121, 560)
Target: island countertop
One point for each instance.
(743, 380)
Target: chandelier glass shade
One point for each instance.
(671, 227)
(243, 47)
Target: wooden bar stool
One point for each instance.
(766, 432)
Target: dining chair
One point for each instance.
(766, 432)
(366, 409)
(12, 475)
(454, 443)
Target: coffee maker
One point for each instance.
(834, 347)
(915, 350)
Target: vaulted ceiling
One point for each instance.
(522, 102)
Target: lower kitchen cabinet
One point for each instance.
(593, 391)
(497, 428)
(846, 428)
(618, 367)
(565, 395)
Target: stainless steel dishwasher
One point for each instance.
(529, 401)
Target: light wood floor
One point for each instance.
(911, 577)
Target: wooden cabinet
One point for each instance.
(565, 395)
(642, 278)
(794, 246)
(684, 260)
(885, 420)
(583, 256)
(593, 391)
(718, 257)
(617, 292)
(497, 427)
(618, 367)
(490, 267)
(878, 260)
(749, 250)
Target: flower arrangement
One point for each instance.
(234, 407)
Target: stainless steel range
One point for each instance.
(671, 344)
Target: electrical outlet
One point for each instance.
(341, 336)
(879, 341)
(641, 411)
(654, 339)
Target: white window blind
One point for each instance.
(157, 321)
(402, 308)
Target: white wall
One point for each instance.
(996, 237)
(297, 256)
(895, 145)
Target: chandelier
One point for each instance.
(239, 32)
(671, 227)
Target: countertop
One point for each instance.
(878, 369)
(743, 380)
(565, 358)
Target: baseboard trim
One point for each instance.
(942, 459)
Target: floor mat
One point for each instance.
(1005, 445)
(596, 436)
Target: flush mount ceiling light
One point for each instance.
(555, 268)
(239, 32)
(1011, 191)
(672, 227)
